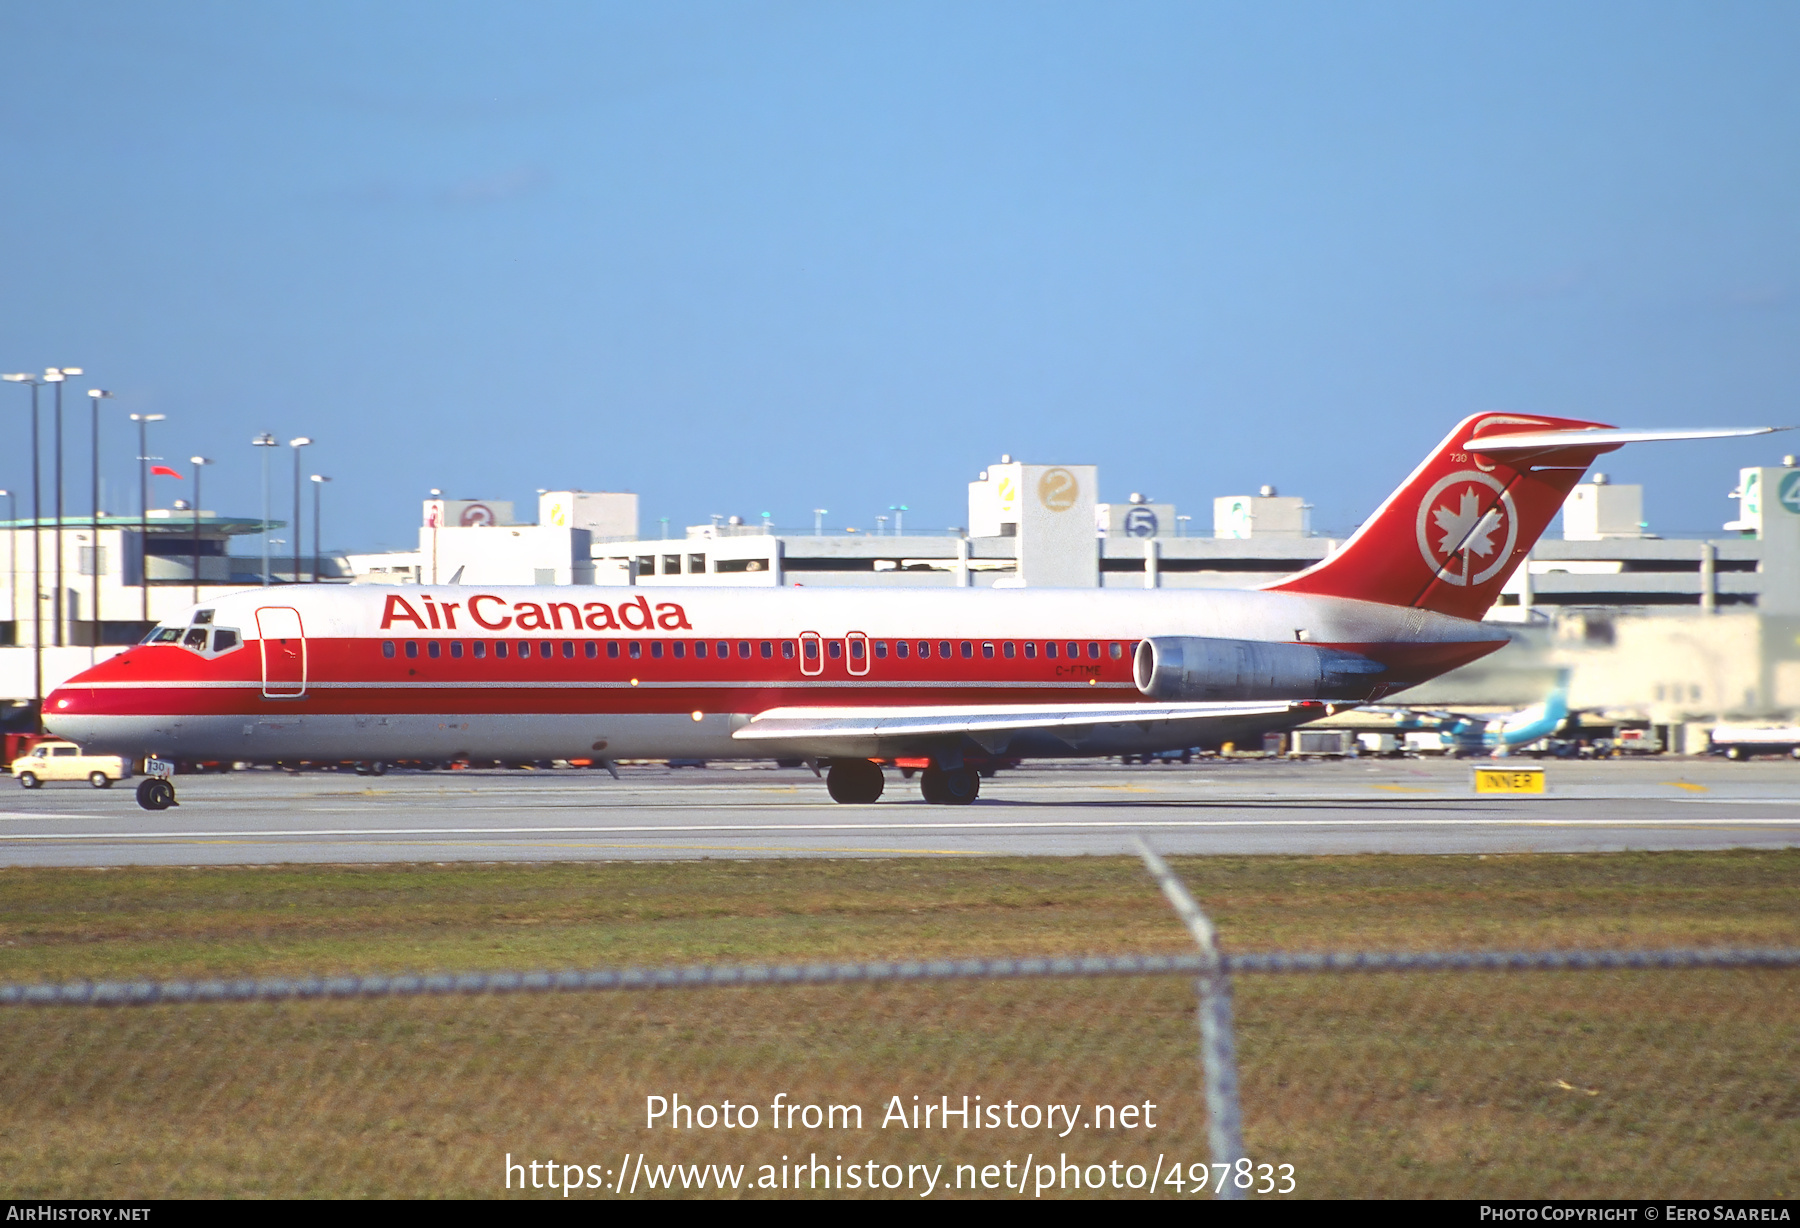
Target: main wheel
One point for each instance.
(957, 787)
(855, 781)
(100, 780)
(29, 780)
(155, 794)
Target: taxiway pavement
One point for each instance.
(1246, 806)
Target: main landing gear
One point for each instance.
(155, 793)
(949, 786)
(859, 782)
(856, 781)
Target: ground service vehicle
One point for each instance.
(843, 676)
(56, 759)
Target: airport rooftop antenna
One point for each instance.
(318, 481)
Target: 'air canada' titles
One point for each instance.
(493, 613)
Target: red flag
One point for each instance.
(163, 471)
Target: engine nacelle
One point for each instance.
(1191, 668)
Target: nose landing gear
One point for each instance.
(156, 793)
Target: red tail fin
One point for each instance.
(1455, 531)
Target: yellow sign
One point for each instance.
(1509, 780)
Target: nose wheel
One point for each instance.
(156, 794)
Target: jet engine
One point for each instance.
(1191, 668)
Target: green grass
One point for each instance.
(1629, 1084)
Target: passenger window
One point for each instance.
(700, 649)
(479, 648)
(900, 649)
(944, 649)
(1006, 650)
(1050, 649)
(412, 648)
(856, 650)
(724, 650)
(195, 639)
(656, 649)
(1093, 650)
(1031, 650)
(835, 649)
(881, 650)
(787, 650)
(524, 650)
(591, 649)
(1074, 650)
(568, 650)
(433, 649)
(387, 648)
(768, 650)
(924, 649)
(812, 650)
(744, 649)
(456, 649)
(612, 650)
(637, 649)
(987, 652)
(679, 647)
(224, 641)
(968, 650)
(500, 649)
(1115, 650)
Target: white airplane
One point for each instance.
(844, 676)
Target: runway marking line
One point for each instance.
(1689, 785)
(772, 828)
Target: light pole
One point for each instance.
(37, 567)
(265, 440)
(899, 510)
(95, 396)
(819, 521)
(56, 376)
(318, 481)
(198, 462)
(12, 562)
(296, 445)
(144, 458)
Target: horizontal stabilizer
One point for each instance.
(1607, 437)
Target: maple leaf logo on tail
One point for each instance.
(1457, 529)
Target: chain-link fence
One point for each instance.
(1477, 1074)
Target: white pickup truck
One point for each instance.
(59, 760)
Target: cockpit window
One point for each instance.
(196, 639)
(202, 617)
(224, 641)
(164, 635)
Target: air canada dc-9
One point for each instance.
(846, 677)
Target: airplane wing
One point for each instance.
(877, 732)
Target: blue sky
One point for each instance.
(747, 257)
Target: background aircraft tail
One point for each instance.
(1453, 533)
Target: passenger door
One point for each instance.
(283, 652)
